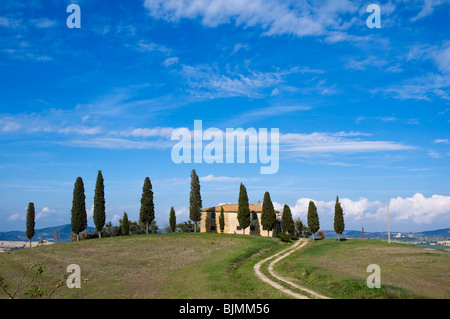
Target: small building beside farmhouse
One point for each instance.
(210, 220)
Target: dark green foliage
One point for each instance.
(313, 218)
(154, 229)
(306, 231)
(30, 221)
(287, 223)
(268, 216)
(99, 204)
(222, 220)
(79, 216)
(338, 219)
(186, 227)
(285, 237)
(298, 228)
(147, 212)
(125, 225)
(243, 214)
(172, 220)
(195, 200)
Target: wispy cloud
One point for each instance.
(441, 141)
(274, 18)
(212, 178)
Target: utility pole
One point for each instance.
(389, 232)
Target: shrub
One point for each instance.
(285, 237)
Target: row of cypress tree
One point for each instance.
(79, 215)
(269, 218)
(313, 219)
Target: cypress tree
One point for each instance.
(195, 200)
(338, 219)
(313, 218)
(125, 225)
(222, 220)
(243, 214)
(147, 212)
(268, 216)
(99, 204)
(79, 216)
(172, 220)
(287, 223)
(30, 221)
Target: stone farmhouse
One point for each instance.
(210, 220)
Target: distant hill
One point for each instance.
(438, 232)
(48, 234)
(383, 235)
(64, 232)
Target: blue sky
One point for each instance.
(363, 113)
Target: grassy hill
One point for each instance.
(153, 266)
(200, 266)
(338, 269)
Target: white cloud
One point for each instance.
(181, 212)
(150, 132)
(170, 61)
(90, 212)
(206, 82)
(297, 18)
(417, 209)
(427, 9)
(118, 143)
(44, 212)
(43, 23)
(116, 218)
(319, 142)
(14, 217)
(212, 178)
(441, 141)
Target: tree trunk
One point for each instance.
(195, 227)
(146, 228)
(313, 237)
(78, 237)
(268, 233)
(30, 243)
(100, 234)
(339, 237)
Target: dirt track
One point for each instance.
(279, 256)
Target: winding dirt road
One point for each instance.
(279, 256)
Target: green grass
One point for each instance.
(338, 269)
(152, 266)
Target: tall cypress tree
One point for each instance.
(30, 221)
(79, 216)
(338, 219)
(243, 214)
(222, 220)
(147, 213)
(195, 200)
(287, 222)
(313, 218)
(268, 216)
(172, 220)
(125, 225)
(99, 204)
